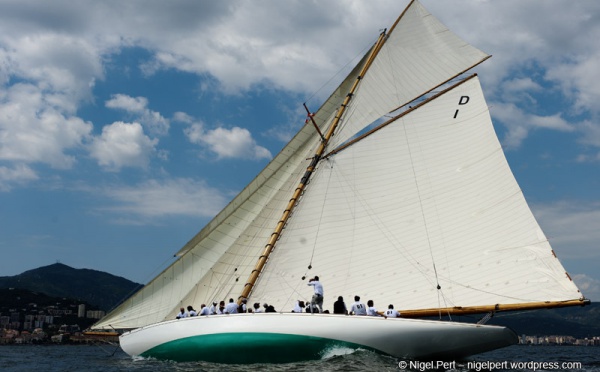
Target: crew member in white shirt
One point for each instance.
(358, 308)
(317, 298)
(390, 312)
(231, 308)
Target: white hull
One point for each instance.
(289, 337)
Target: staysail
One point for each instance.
(426, 202)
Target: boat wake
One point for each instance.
(337, 350)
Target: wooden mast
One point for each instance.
(262, 260)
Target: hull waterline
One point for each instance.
(289, 337)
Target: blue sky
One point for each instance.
(125, 126)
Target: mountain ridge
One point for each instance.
(98, 288)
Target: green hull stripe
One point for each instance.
(243, 348)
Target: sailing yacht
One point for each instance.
(396, 190)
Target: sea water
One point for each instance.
(107, 358)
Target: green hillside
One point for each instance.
(58, 280)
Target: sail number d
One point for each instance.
(462, 101)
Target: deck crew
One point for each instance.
(317, 298)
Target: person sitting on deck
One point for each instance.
(298, 306)
(390, 312)
(339, 307)
(231, 308)
(371, 310)
(257, 308)
(191, 311)
(182, 313)
(358, 308)
(221, 308)
(204, 310)
(243, 308)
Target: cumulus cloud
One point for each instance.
(122, 145)
(152, 120)
(33, 130)
(519, 123)
(127, 103)
(227, 143)
(283, 47)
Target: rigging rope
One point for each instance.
(410, 154)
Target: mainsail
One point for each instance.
(423, 213)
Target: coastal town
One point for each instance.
(60, 321)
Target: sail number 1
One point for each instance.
(462, 101)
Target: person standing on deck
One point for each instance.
(317, 298)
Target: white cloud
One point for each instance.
(519, 122)
(127, 103)
(33, 130)
(174, 197)
(579, 79)
(228, 143)
(18, 174)
(152, 120)
(62, 48)
(122, 145)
